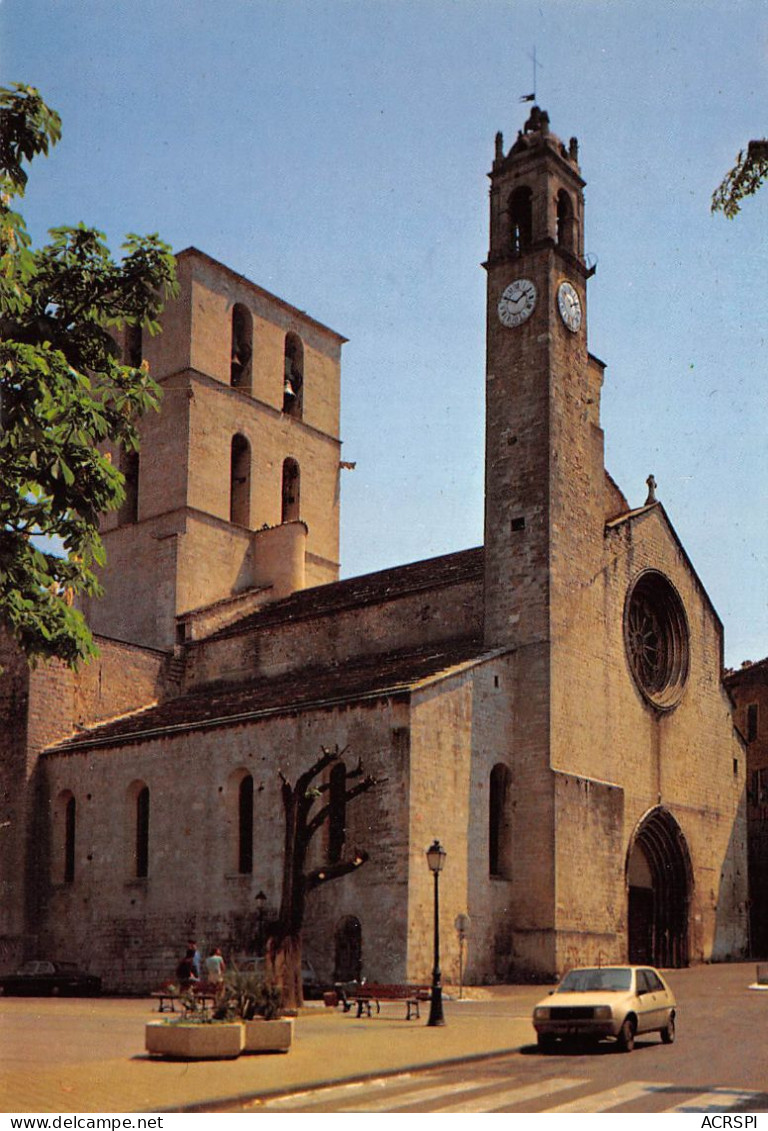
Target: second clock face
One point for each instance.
(569, 305)
(517, 302)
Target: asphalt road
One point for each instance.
(719, 1063)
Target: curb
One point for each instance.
(277, 1093)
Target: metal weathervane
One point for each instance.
(532, 96)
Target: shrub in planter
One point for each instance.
(259, 1005)
(203, 1032)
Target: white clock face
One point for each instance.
(517, 302)
(569, 306)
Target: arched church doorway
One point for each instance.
(659, 892)
(348, 957)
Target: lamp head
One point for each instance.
(436, 856)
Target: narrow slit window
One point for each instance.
(242, 347)
(499, 847)
(240, 481)
(521, 219)
(337, 821)
(142, 832)
(70, 824)
(291, 508)
(245, 826)
(293, 377)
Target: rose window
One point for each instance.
(656, 638)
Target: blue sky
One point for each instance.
(336, 152)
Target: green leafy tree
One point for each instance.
(63, 392)
(743, 180)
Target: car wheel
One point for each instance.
(545, 1041)
(627, 1035)
(668, 1033)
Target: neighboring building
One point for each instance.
(748, 687)
(550, 705)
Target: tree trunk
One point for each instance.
(284, 968)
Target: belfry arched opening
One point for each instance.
(658, 892)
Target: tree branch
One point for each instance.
(333, 871)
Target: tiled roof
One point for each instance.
(226, 704)
(370, 588)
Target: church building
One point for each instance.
(549, 705)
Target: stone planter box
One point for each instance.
(268, 1036)
(220, 1040)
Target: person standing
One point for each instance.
(196, 959)
(215, 966)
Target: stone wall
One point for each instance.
(130, 928)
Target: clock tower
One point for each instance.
(544, 453)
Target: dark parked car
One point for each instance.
(35, 979)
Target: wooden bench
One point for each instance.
(373, 993)
(204, 994)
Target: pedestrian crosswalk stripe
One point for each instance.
(513, 1096)
(320, 1095)
(604, 1101)
(362, 1091)
(393, 1102)
(720, 1099)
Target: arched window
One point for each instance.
(142, 832)
(291, 485)
(293, 376)
(242, 347)
(499, 825)
(521, 219)
(63, 838)
(566, 221)
(70, 820)
(129, 466)
(245, 826)
(240, 481)
(337, 817)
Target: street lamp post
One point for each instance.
(462, 929)
(436, 858)
(261, 900)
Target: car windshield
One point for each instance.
(609, 978)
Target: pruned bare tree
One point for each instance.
(303, 819)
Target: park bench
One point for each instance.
(204, 994)
(374, 993)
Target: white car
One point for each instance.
(607, 1001)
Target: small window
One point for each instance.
(290, 510)
(293, 377)
(521, 219)
(751, 722)
(242, 347)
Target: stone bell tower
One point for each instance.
(545, 496)
(544, 452)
